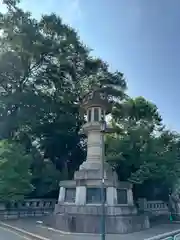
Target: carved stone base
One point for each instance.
(86, 219)
(79, 203)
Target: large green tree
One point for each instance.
(142, 150)
(44, 72)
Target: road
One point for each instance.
(30, 225)
(10, 235)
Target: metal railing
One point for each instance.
(174, 235)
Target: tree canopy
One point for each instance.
(142, 150)
(45, 69)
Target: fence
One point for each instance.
(175, 235)
(27, 208)
(155, 208)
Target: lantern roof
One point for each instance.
(96, 98)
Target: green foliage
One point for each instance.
(15, 175)
(161, 159)
(142, 150)
(46, 179)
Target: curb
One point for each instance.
(69, 233)
(56, 230)
(23, 232)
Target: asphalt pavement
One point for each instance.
(6, 234)
(30, 225)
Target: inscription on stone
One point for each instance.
(122, 196)
(94, 195)
(70, 195)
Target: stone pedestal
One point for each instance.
(79, 205)
(87, 219)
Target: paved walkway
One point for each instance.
(30, 225)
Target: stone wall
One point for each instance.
(27, 208)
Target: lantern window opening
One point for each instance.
(89, 115)
(96, 114)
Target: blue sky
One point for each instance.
(140, 38)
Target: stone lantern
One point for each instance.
(96, 107)
(79, 202)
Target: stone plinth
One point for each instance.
(86, 219)
(77, 212)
